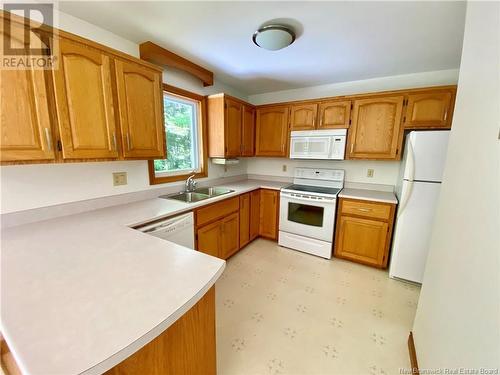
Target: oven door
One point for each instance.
(307, 216)
(310, 147)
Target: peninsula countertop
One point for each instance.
(81, 293)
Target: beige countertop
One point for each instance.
(369, 195)
(81, 293)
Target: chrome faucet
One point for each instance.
(190, 183)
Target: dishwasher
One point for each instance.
(177, 229)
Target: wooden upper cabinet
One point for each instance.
(271, 137)
(376, 129)
(431, 109)
(84, 102)
(26, 132)
(248, 131)
(232, 133)
(140, 107)
(230, 127)
(269, 208)
(303, 116)
(334, 114)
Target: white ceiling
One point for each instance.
(337, 42)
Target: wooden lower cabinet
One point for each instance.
(209, 239)
(218, 228)
(244, 219)
(364, 231)
(227, 226)
(254, 214)
(186, 347)
(230, 230)
(269, 209)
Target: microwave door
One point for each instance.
(338, 148)
(311, 147)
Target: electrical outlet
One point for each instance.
(283, 168)
(369, 173)
(119, 178)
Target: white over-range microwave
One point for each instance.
(318, 144)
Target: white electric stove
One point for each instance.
(307, 210)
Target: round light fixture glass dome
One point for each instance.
(273, 37)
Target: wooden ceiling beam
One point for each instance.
(155, 54)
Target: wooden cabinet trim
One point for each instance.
(368, 95)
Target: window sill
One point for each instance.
(156, 180)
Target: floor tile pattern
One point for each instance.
(281, 311)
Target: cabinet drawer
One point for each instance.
(364, 208)
(217, 210)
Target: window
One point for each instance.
(184, 115)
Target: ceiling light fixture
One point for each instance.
(273, 37)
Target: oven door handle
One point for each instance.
(307, 199)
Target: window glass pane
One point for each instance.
(305, 214)
(181, 126)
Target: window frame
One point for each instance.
(202, 143)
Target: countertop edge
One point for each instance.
(135, 346)
(352, 196)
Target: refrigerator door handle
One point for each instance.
(405, 195)
(411, 162)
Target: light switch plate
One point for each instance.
(369, 173)
(119, 178)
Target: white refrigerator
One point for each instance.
(418, 189)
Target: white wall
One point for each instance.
(458, 316)
(415, 80)
(385, 172)
(32, 186)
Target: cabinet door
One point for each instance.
(430, 109)
(271, 137)
(269, 214)
(84, 102)
(362, 240)
(25, 128)
(248, 135)
(334, 114)
(233, 118)
(230, 235)
(254, 214)
(244, 219)
(303, 116)
(376, 130)
(140, 104)
(209, 239)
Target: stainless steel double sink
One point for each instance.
(198, 194)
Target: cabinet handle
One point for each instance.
(114, 141)
(445, 114)
(352, 147)
(48, 138)
(129, 142)
(364, 209)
